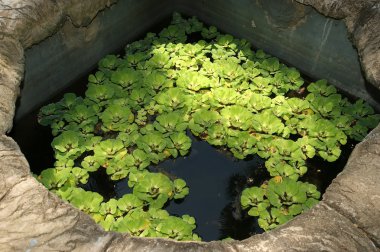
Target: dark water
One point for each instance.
(215, 179)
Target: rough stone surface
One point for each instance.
(29, 21)
(11, 71)
(31, 218)
(362, 21)
(14, 167)
(320, 229)
(81, 13)
(367, 40)
(355, 193)
(24, 23)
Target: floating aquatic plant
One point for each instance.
(139, 109)
(278, 201)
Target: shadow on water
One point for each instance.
(216, 180)
(321, 173)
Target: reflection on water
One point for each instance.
(216, 180)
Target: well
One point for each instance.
(50, 44)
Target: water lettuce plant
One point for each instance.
(278, 201)
(171, 122)
(181, 144)
(116, 118)
(140, 108)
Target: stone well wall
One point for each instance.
(31, 218)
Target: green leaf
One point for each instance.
(210, 33)
(116, 118)
(126, 78)
(258, 102)
(108, 222)
(109, 207)
(272, 65)
(53, 178)
(217, 135)
(321, 87)
(90, 163)
(152, 142)
(261, 85)
(171, 122)
(88, 202)
(68, 144)
(80, 175)
(237, 117)
(193, 81)
(174, 33)
(98, 78)
(181, 142)
(49, 114)
(267, 122)
(180, 189)
(109, 148)
(175, 228)
(100, 94)
(157, 81)
(109, 62)
(242, 144)
(154, 188)
(202, 119)
(136, 225)
(230, 70)
(252, 197)
(172, 99)
(222, 96)
(295, 209)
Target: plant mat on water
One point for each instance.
(137, 109)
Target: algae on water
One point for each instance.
(139, 106)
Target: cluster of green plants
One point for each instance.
(138, 108)
(279, 200)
